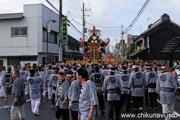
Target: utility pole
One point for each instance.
(116, 50)
(84, 23)
(129, 47)
(122, 45)
(47, 42)
(60, 32)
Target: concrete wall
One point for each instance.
(35, 18)
(4, 61)
(47, 15)
(22, 46)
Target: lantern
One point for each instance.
(105, 41)
(81, 40)
(108, 40)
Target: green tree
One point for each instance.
(132, 49)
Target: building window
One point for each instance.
(13, 61)
(19, 32)
(52, 36)
(16, 60)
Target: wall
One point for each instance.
(47, 15)
(31, 62)
(4, 61)
(21, 46)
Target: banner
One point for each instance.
(64, 33)
(110, 57)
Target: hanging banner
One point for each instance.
(64, 33)
(110, 57)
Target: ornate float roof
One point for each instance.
(94, 37)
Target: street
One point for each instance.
(48, 113)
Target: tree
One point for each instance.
(132, 49)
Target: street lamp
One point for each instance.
(53, 21)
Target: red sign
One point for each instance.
(110, 57)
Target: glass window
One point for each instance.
(13, 61)
(19, 31)
(23, 31)
(52, 37)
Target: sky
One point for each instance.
(106, 13)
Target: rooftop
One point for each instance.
(11, 16)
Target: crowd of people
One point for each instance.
(81, 89)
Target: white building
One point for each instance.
(131, 38)
(23, 36)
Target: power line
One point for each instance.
(76, 31)
(52, 5)
(130, 26)
(104, 26)
(72, 17)
(91, 23)
(137, 17)
(76, 28)
(77, 22)
(96, 25)
(79, 4)
(66, 18)
(91, 12)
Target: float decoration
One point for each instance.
(94, 46)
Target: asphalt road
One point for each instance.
(48, 113)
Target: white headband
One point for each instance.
(148, 66)
(163, 67)
(111, 70)
(134, 66)
(69, 75)
(124, 70)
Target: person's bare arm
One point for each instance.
(90, 117)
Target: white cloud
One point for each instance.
(107, 13)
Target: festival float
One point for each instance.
(94, 49)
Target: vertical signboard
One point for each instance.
(64, 32)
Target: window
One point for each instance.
(13, 61)
(52, 37)
(16, 60)
(19, 31)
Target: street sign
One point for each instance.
(60, 54)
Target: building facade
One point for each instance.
(72, 50)
(121, 50)
(160, 43)
(129, 39)
(24, 35)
